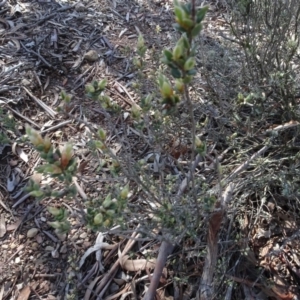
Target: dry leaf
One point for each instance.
(137, 264)
(17, 150)
(2, 226)
(25, 293)
(14, 226)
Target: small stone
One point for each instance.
(34, 246)
(43, 219)
(17, 260)
(87, 244)
(63, 249)
(39, 238)
(61, 236)
(4, 246)
(79, 7)
(13, 246)
(83, 235)
(55, 253)
(91, 56)
(32, 232)
(25, 82)
(74, 238)
(49, 248)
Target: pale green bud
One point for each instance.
(189, 64)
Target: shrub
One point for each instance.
(155, 193)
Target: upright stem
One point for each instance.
(193, 135)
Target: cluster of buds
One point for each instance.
(141, 50)
(60, 163)
(95, 91)
(181, 60)
(110, 210)
(187, 20)
(60, 223)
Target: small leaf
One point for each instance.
(98, 219)
(102, 134)
(189, 64)
(107, 202)
(201, 14)
(196, 30)
(124, 192)
(179, 86)
(184, 39)
(179, 28)
(175, 73)
(168, 55)
(180, 14)
(166, 89)
(102, 84)
(187, 23)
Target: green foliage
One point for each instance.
(60, 223)
(109, 209)
(104, 213)
(270, 49)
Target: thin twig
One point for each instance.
(38, 55)
(48, 109)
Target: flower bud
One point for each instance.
(98, 219)
(189, 64)
(124, 192)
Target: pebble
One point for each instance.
(74, 238)
(13, 246)
(63, 249)
(17, 260)
(49, 248)
(83, 235)
(91, 56)
(25, 82)
(32, 232)
(79, 7)
(34, 245)
(39, 239)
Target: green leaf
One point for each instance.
(196, 30)
(187, 79)
(37, 194)
(161, 80)
(98, 219)
(201, 14)
(184, 39)
(168, 55)
(192, 72)
(193, 50)
(102, 84)
(187, 23)
(177, 27)
(180, 14)
(177, 51)
(189, 64)
(187, 8)
(175, 73)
